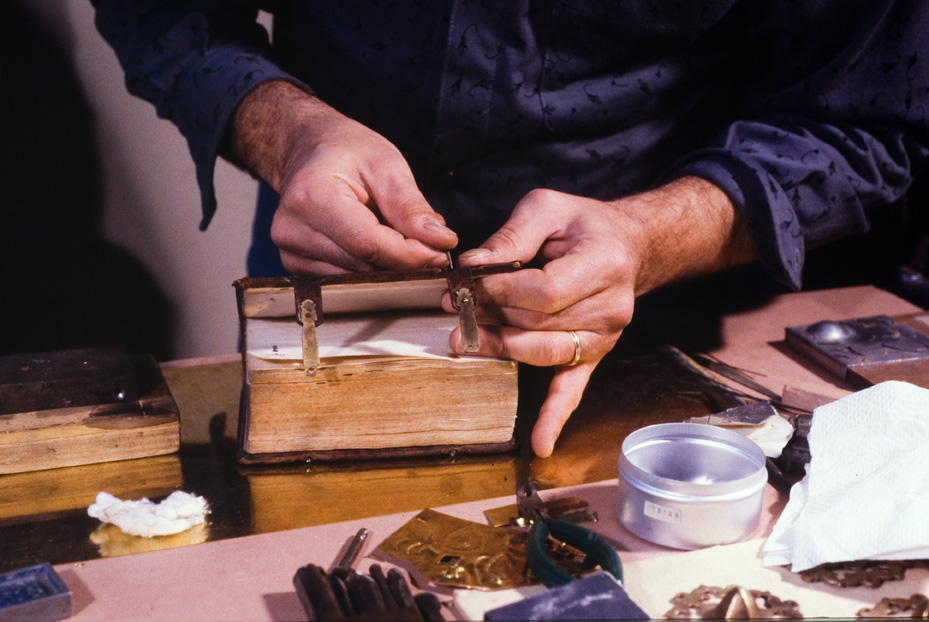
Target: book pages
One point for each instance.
(419, 335)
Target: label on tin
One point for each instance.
(660, 512)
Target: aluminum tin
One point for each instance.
(690, 485)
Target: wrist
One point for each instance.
(684, 229)
(266, 124)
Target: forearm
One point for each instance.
(684, 229)
(191, 60)
(267, 125)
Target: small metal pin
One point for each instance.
(310, 340)
(463, 301)
(353, 549)
(469, 335)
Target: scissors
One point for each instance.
(532, 509)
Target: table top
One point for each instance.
(267, 521)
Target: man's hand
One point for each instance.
(349, 202)
(598, 257)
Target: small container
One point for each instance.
(690, 485)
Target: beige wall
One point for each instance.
(152, 202)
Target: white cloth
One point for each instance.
(866, 491)
(178, 512)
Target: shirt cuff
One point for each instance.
(767, 211)
(211, 90)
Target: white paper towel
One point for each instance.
(866, 491)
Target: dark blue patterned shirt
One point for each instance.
(808, 113)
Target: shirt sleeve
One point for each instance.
(194, 61)
(837, 124)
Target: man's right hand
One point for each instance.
(349, 202)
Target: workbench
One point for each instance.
(268, 521)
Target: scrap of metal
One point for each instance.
(735, 374)
(569, 509)
(453, 552)
(730, 603)
(461, 289)
(916, 606)
(867, 573)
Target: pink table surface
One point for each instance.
(250, 578)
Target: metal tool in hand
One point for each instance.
(461, 289)
(594, 546)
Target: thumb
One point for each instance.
(519, 239)
(404, 208)
(414, 218)
(564, 396)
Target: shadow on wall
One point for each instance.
(64, 286)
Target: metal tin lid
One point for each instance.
(692, 462)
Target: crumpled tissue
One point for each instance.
(865, 495)
(178, 512)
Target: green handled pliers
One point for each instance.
(532, 509)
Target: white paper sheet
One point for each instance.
(423, 335)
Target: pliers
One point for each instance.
(532, 509)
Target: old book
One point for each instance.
(387, 383)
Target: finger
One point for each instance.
(543, 223)
(584, 314)
(383, 246)
(539, 348)
(564, 396)
(302, 266)
(405, 209)
(559, 284)
(304, 250)
(569, 319)
(412, 216)
(337, 228)
(519, 239)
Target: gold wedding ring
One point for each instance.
(577, 348)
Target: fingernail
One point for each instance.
(477, 253)
(438, 227)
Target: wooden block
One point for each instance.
(914, 372)
(65, 378)
(51, 492)
(805, 395)
(62, 437)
